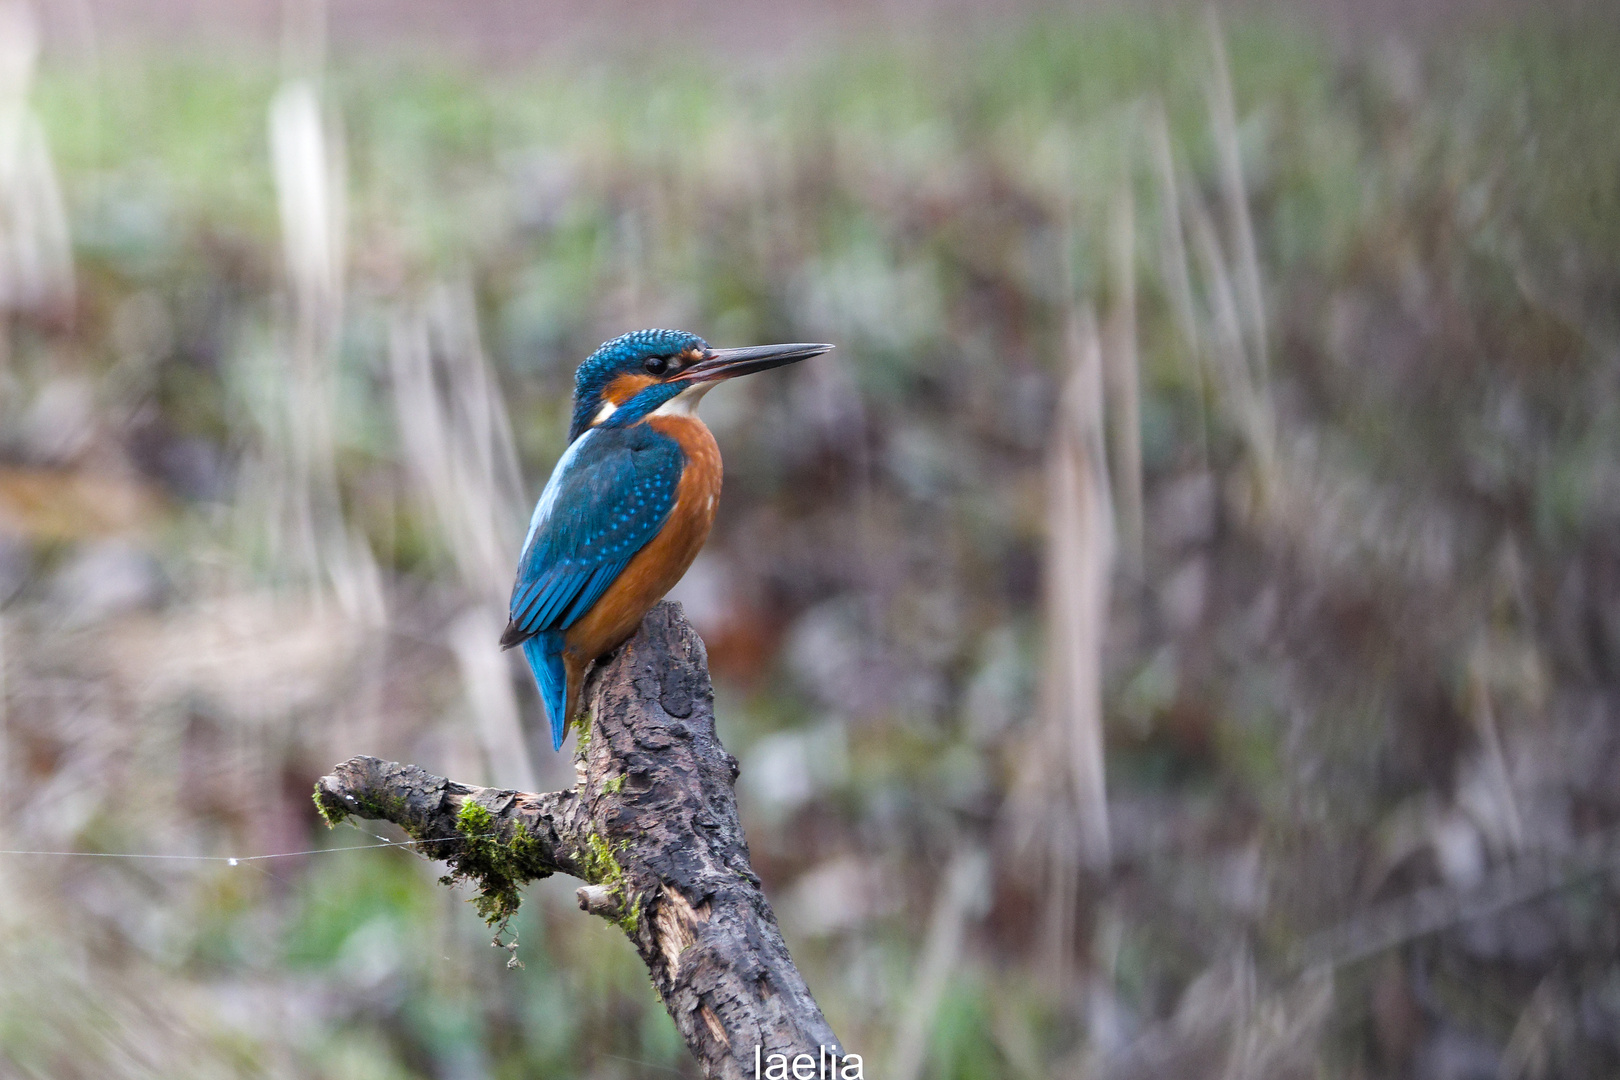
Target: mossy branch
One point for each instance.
(652, 830)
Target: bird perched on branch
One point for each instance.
(628, 505)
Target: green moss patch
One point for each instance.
(496, 866)
(600, 866)
(335, 811)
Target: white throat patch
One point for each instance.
(685, 403)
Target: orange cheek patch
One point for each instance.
(625, 387)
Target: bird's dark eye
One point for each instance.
(656, 365)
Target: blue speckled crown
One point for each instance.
(624, 353)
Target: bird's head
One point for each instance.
(634, 375)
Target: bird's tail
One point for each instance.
(544, 653)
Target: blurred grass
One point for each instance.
(1294, 732)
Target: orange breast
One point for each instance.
(657, 567)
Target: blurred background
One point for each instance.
(1176, 634)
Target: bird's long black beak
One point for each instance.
(717, 364)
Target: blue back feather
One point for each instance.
(544, 654)
(610, 495)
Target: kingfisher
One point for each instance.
(628, 505)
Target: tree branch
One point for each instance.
(652, 830)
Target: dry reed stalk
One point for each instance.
(298, 470)
(306, 152)
(456, 438)
(1237, 308)
(1223, 124)
(486, 680)
(1226, 332)
(1482, 712)
(1175, 267)
(1123, 378)
(1244, 401)
(1058, 807)
(963, 895)
(1079, 557)
(36, 257)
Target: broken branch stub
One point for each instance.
(652, 830)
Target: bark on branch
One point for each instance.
(652, 830)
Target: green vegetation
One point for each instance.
(602, 868)
(495, 866)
